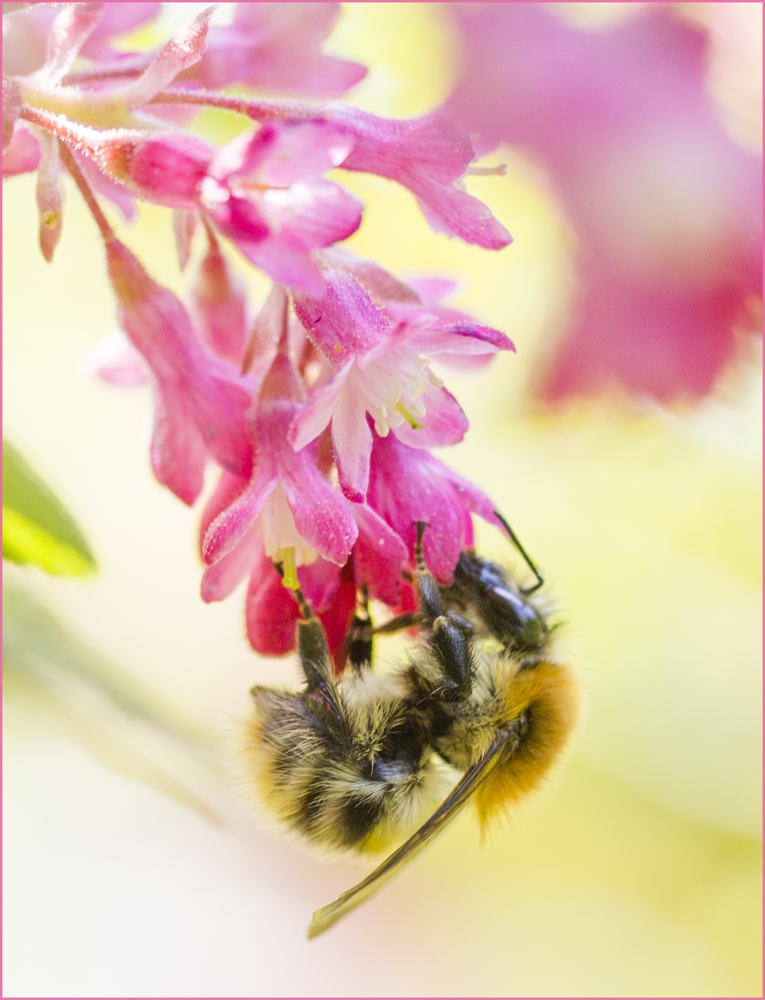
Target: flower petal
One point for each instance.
(218, 304)
(11, 107)
(183, 50)
(274, 48)
(221, 579)
(114, 360)
(22, 154)
(68, 34)
(456, 338)
(50, 196)
(312, 214)
(316, 415)
(352, 442)
(230, 526)
(321, 514)
(425, 155)
(271, 611)
(444, 421)
(178, 450)
(379, 555)
(344, 321)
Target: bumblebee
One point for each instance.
(358, 762)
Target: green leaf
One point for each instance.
(37, 528)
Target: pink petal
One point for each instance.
(114, 360)
(352, 443)
(222, 579)
(118, 19)
(177, 449)
(336, 619)
(313, 214)
(183, 50)
(22, 153)
(666, 206)
(316, 415)
(282, 262)
(425, 155)
(444, 422)
(228, 489)
(379, 555)
(230, 526)
(50, 197)
(432, 290)
(69, 33)
(184, 226)
(284, 154)
(218, 304)
(156, 322)
(408, 485)
(321, 514)
(274, 49)
(344, 321)
(457, 213)
(271, 611)
(456, 338)
(11, 107)
(381, 285)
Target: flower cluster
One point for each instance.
(320, 409)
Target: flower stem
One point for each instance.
(79, 179)
(257, 109)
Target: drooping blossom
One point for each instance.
(276, 48)
(266, 193)
(218, 303)
(375, 563)
(666, 206)
(300, 513)
(407, 485)
(383, 370)
(200, 403)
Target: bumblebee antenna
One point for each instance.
(527, 558)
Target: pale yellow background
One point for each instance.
(635, 874)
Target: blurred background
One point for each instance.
(623, 443)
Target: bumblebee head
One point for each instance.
(538, 709)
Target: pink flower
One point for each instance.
(426, 155)
(376, 562)
(408, 485)
(666, 206)
(22, 154)
(200, 403)
(299, 513)
(218, 304)
(27, 31)
(264, 191)
(384, 372)
(274, 48)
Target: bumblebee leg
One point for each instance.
(358, 639)
(405, 620)
(527, 558)
(315, 658)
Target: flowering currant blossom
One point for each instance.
(383, 370)
(318, 409)
(300, 513)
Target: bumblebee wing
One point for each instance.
(324, 918)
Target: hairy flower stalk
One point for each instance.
(319, 408)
